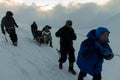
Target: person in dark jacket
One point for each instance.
(47, 35)
(92, 53)
(37, 34)
(67, 35)
(34, 28)
(9, 23)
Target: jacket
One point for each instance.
(67, 36)
(90, 58)
(8, 22)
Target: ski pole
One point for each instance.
(6, 39)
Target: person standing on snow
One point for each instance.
(34, 28)
(46, 33)
(92, 52)
(9, 23)
(67, 35)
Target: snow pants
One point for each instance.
(12, 34)
(69, 52)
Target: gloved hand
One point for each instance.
(108, 56)
(70, 29)
(107, 53)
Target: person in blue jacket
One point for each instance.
(92, 53)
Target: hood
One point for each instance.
(96, 33)
(101, 30)
(91, 34)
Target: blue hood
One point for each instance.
(96, 33)
(101, 30)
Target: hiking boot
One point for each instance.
(51, 45)
(15, 43)
(60, 66)
(81, 75)
(80, 78)
(72, 71)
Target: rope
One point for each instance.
(117, 55)
(81, 35)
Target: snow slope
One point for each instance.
(29, 61)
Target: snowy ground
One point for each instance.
(29, 61)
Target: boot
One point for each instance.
(81, 75)
(15, 43)
(60, 65)
(71, 69)
(51, 44)
(80, 78)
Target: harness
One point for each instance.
(10, 29)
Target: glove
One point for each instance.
(107, 53)
(70, 29)
(108, 56)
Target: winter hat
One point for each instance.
(100, 31)
(47, 26)
(68, 22)
(9, 13)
